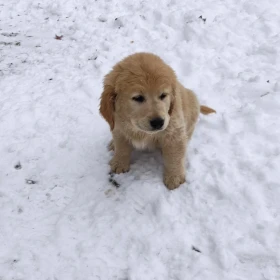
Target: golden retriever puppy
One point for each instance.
(146, 108)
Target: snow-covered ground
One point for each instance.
(61, 218)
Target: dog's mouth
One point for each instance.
(150, 131)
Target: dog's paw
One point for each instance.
(174, 181)
(118, 166)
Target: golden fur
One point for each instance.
(146, 107)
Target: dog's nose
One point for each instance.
(157, 123)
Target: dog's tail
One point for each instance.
(206, 110)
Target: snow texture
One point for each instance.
(63, 218)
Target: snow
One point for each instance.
(60, 216)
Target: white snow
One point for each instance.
(61, 218)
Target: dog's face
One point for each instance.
(139, 93)
(145, 109)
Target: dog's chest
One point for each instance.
(145, 144)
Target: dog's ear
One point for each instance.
(107, 105)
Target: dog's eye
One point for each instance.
(162, 96)
(139, 98)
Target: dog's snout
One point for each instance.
(157, 123)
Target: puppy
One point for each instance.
(146, 108)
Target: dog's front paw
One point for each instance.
(174, 181)
(118, 166)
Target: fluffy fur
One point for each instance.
(146, 108)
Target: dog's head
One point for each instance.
(139, 93)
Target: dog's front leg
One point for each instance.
(174, 164)
(120, 162)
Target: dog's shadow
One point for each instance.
(145, 165)
(139, 157)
